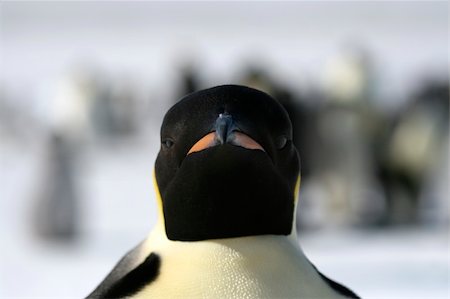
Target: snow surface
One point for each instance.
(118, 210)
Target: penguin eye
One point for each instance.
(280, 142)
(167, 143)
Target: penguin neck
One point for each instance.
(239, 251)
(159, 231)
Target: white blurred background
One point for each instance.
(84, 87)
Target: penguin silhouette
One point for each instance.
(227, 178)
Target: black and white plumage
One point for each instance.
(227, 179)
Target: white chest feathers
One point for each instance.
(250, 267)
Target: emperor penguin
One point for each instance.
(227, 178)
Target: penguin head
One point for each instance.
(227, 166)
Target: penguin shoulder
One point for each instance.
(135, 270)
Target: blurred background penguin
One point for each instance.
(81, 101)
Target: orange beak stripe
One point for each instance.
(240, 139)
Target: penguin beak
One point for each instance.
(225, 131)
